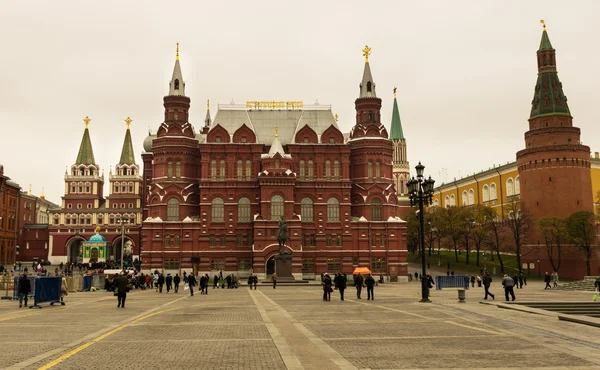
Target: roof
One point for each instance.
(396, 129)
(97, 238)
(177, 86)
(264, 121)
(365, 92)
(86, 154)
(127, 153)
(545, 43)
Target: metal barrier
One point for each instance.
(7, 286)
(98, 281)
(17, 285)
(460, 282)
(47, 290)
(74, 283)
(87, 282)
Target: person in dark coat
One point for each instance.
(327, 287)
(215, 282)
(191, 280)
(122, 283)
(487, 281)
(255, 281)
(228, 280)
(206, 283)
(547, 281)
(341, 284)
(472, 281)
(250, 281)
(370, 283)
(24, 289)
(161, 282)
(169, 282)
(358, 282)
(176, 281)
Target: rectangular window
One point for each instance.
(178, 170)
(239, 170)
(336, 170)
(239, 240)
(248, 170)
(244, 264)
(378, 170)
(222, 170)
(249, 239)
(306, 210)
(167, 241)
(378, 265)
(370, 170)
(177, 241)
(313, 240)
(338, 240)
(373, 240)
(211, 240)
(311, 170)
(274, 233)
(223, 240)
(171, 264)
(302, 170)
(303, 240)
(169, 170)
(328, 240)
(334, 265)
(328, 170)
(217, 264)
(213, 170)
(308, 266)
(382, 240)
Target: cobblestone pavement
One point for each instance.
(292, 328)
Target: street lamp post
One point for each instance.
(122, 221)
(420, 192)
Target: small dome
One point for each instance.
(97, 238)
(148, 143)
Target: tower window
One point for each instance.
(371, 117)
(176, 84)
(369, 86)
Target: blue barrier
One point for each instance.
(87, 283)
(456, 282)
(47, 290)
(17, 285)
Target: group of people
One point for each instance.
(548, 278)
(340, 282)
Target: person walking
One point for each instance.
(358, 284)
(370, 283)
(508, 283)
(250, 281)
(206, 283)
(472, 281)
(341, 284)
(24, 289)
(64, 289)
(547, 279)
(202, 284)
(555, 279)
(169, 282)
(191, 280)
(215, 282)
(255, 281)
(176, 281)
(122, 283)
(520, 280)
(487, 281)
(155, 280)
(327, 287)
(274, 280)
(161, 282)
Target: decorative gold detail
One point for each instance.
(42, 196)
(276, 131)
(366, 51)
(258, 104)
(177, 53)
(207, 104)
(128, 122)
(87, 121)
(336, 117)
(543, 24)
(394, 92)
(98, 229)
(29, 192)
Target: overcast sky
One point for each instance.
(465, 71)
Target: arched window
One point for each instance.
(176, 84)
(276, 207)
(311, 170)
(486, 193)
(248, 169)
(517, 185)
(465, 198)
(302, 170)
(376, 210)
(333, 210)
(130, 186)
(213, 170)
(336, 170)
(172, 210)
(447, 202)
(370, 170)
(306, 209)
(178, 170)
(73, 188)
(452, 200)
(510, 187)
(493, 195)
(471, 197)
(328, 170)
(88, 187)
(369, 86)
(80, 187)
(239, 170)
(169, 170)
(436, 203)
(276, 162)
(244, 209)
(217, 210)
(222, 169)
(123, 188)
(378, 170)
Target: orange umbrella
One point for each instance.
(362, 270)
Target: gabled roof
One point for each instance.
(396, 128)
(127, 153)
(86, 153)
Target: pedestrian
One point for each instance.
(64, 289)
(555, 279)
(228, 280)
(370, 283)
(274, 280)
(358, 282)
(452, 273)
(520, 280)
(169, 282)
(472, 281)
(326, 287)
(341, 284)
(250, 281)
(24, 289)
(161, 282)
(185, 279)
(487, 281)
(206, 283)
(447, 272)
(155, 280)
(255, 281)
(191, 281)
(176, 281)
(122, 283)
(202, 283)
(215, 282)
(508, 284)
(416, 276)
(516, 280)
(547, 280)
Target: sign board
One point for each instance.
(524, 265)
(532, 265)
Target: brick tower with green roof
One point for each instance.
(554, 167)
(400, 165)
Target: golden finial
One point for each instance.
(276, 131)
(87, 121)
(29, 192)
(128, 122)
(42, 196)
(366, 51)
(97, 229)
(177, 54)
(394, 92)
(336, 117)
(207, 104)
(543, 24)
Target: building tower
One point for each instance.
(554, 167)
(173, 192)
(124, 202)
(400, 166)
(371, 155)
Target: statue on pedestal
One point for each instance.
(283, 236)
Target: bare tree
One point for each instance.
(467, 219)
(555, 235)
(480, 233)
(413, 229)
(452, 227)
(582, 232)
(518, 223)
(497, 239)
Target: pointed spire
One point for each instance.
(127, 153)
(396, 129)
(207, 120)
(545, 43)
(276, 146)
(177, 86)
(367, 86)
(86, 154)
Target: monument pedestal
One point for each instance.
(283, 267)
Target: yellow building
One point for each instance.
(495, 187)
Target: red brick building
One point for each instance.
(84, 206)
(9, 218)
(33, 235)
(214, 197)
